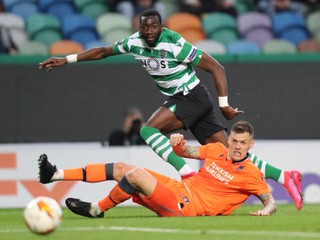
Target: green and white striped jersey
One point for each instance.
(170, 62)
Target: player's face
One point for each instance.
(239, 145)
(150, 29)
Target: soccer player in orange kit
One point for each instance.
(224, 182)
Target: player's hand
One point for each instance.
(52, 62)
(230, 113)
(259, 213)
(177, 139)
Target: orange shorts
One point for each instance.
(169, 199)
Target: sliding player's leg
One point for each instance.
(137, 180)
(91, 173)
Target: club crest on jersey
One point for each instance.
(163, 54)
(153, 64)
(240, 168)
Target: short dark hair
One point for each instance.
(150, 12)
(242, 127)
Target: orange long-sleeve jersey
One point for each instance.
(221, 185)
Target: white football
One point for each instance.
(42, 215)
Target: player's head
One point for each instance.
(150, 26)
(240, 140)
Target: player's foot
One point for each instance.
(46, 169)
(294, 188)
(188, 175)
(82, 208)
(297, 178)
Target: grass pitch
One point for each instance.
(130, 223)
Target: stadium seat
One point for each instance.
(92, 8)
(243, 47)
(113, 27)
(23, 8)
(181, 21)
(309, 46)
(188, 25)
(115, 35)
(44, 28)
(8, 4)
(317, 36)
(59, 8)
(211, 46)
(79, 28)
(313, 23)
(290, 26)
(279, 46)
(33, 48)
(244, 6)
(171, 6)
(65, 47)
(193, 35)
(220, 27)
(255, 26)
(15, 26)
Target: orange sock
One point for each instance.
(96, 172)
(116, 196)
(74, 174)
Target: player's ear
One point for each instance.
(252, 143)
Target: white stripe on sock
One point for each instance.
(263, 168)
(155, 144)
(185, 170)
(166, 154)
(162, 147)
(281, 178)
(58, 175)
(149, 139)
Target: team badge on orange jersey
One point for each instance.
(240, 168)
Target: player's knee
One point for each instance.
(119, 170)
(136, 176)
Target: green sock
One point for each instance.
(160, 144)
(268, 170)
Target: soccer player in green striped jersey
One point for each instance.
(170, 61)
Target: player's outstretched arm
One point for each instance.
(91, 54)
(181, 149)
(209, 64)
(270, 205)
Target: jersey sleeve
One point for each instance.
(212, 150)
(189, 53)
(121, 47)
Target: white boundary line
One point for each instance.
(182, 231)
